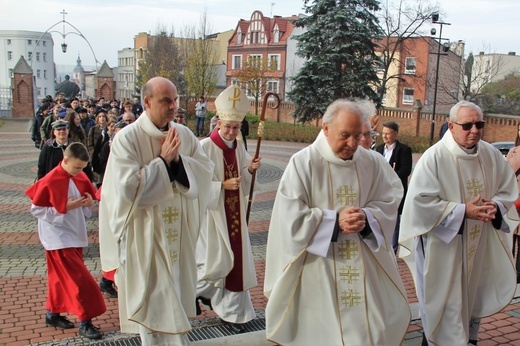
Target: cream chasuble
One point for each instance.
(469, 275)
(149, 227)
(353, 295)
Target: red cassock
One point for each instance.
(72, 288)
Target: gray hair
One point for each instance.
(341, 105)
(455, 110)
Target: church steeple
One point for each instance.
(79, 75)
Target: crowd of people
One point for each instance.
(174, 238)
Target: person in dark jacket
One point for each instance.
(52, 150)
(41, 114)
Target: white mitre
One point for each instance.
(232, 104)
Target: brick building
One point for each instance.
(262, 40)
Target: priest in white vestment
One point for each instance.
(331, 275)
(456, 231)
(153, 200)
(225, 262)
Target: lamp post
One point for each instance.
(63, 35)
(435, 20)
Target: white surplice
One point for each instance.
(334, 293)
(463, 276)
(215, 258)
(149, 227)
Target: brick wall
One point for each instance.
(23, 95)
(499, 127)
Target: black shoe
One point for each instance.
(89, 331)
(59, 321)
(205, 301)
(237, 328)
(107, 286)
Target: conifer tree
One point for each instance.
(339, 49)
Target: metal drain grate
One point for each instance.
(204, 333)
(222, 330)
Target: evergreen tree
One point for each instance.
(340, 55)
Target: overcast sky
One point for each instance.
(110, 25)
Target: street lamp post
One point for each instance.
(63, 35)
(435, 20)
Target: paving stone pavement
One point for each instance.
(23, 270)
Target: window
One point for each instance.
(37, 56)
(409, 65)
(45, 91)
(39, 91)
(8, 41)
(29, 57)
(29, 42)
(38, 74)
(9, 55)
(44, 55)
(237, 62)
(273, 86)
(274, 62)
(11, 73)
(255, 60)
(380, 66)
(408, 96)
(276, 37)
(44, 44)
(239, 37)
(236, 82)
(45, 76)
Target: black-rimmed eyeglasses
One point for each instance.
(469, 126)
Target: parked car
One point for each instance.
(503, 146)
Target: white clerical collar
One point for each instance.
(470, 150)
(230, 144)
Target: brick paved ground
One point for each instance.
(22, 262)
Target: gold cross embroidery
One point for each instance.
(346, 195)
(471, 252)
(474, 187)
(348, 249)
(350, 298)
(474, 232)
(172, 235)
(173, 256)
(170, 215)
(349, 274)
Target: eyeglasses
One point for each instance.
(469, 126)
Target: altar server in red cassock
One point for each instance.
(60, 201)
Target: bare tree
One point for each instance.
(255, 75)
(399, 20)
(162, 57)
(473, 76)
(200, 54)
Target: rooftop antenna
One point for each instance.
(272, 5)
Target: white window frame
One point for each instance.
(406, 65)
(44, 74)
(29, 42)
(37, 56)
(44, 56)
(407, 100)
(273, 85)
(277, 57)
(44, 43)
(38, 74)
(9, 55)
(240, 37)
(8, 41)
(233, 62)
(257, 58)
(29, 56)
(11, 73)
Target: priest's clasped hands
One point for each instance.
(481, 209)
(170, 146)
(85, 201)
(352, 220)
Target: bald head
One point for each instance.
(160, 99)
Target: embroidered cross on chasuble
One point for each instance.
(235, 279)
(473, 186)
(348, 258)
(171, 211)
